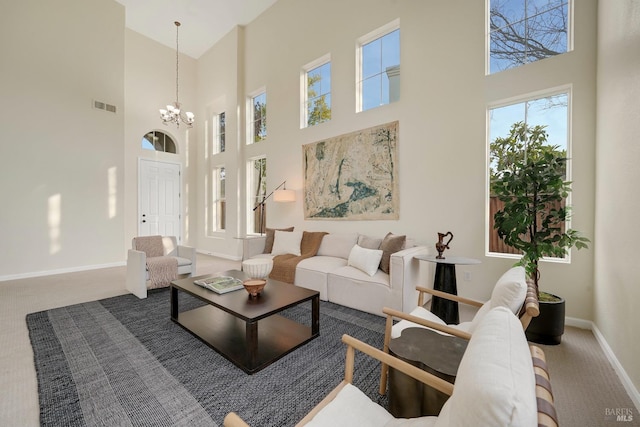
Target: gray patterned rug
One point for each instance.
(122, 361)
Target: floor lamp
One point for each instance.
(279, 196)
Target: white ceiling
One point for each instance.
(204, 22)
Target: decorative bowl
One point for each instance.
(257, 268)
(254, 286)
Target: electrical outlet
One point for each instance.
(467, 276)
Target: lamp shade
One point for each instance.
(284, 196)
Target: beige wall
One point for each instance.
(220, 90)
(59, 213)
(150, 84)
(442, 113)
(617, 289)
(54, 146)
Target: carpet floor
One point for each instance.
(122, 361)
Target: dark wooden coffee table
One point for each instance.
(247, 331)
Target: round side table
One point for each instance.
(445, 281)
(433, 352)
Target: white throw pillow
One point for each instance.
(364, 259)
(286, 242)
(510, 290)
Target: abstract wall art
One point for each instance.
(353, 176)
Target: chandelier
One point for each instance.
(173, 113)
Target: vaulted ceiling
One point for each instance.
(204, 22)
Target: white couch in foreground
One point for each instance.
(501, 381)
(329, 272)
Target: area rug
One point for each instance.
(122, 361)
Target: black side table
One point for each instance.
(433, 352)
(445, 281)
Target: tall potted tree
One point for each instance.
(529, 179)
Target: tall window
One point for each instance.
(523, 31)
(378, 73)
(219, 199)
(257, 188)
(316, 84)
(524, 129)
(158, 141)
(220, 132)
(258, 118)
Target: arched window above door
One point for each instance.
(158, 141)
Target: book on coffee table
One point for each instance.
(220, 284)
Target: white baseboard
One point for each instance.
(632, 391)
(94, 267)
(578, 323)
(60, 271)
(628, 385)
(220, 255)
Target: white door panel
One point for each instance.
(159, 195)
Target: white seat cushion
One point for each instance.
(420, 312)
(323, 264)
(181, 261)
(350, 408)
(412, 422)
(311, 273)
(263, 256)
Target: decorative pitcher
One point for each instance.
(441, 245)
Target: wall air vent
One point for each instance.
(104, 106)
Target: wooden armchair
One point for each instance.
(512, 290)
(494, 386)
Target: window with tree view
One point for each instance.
(257, 179)
(317, 97)
(519, 133)
(258, 118)
(524, 31)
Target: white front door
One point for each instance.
(159, 199)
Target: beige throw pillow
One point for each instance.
(390, 244)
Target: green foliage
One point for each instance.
(260, 121)
(318, 109)
(529, 178)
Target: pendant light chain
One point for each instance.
(173, 113)
(177, 60)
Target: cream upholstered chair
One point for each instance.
(501, 381)
(137, 269)
(512, 290)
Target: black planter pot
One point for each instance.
(548, 327)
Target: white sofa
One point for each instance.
(137, 273)
(329, 274)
